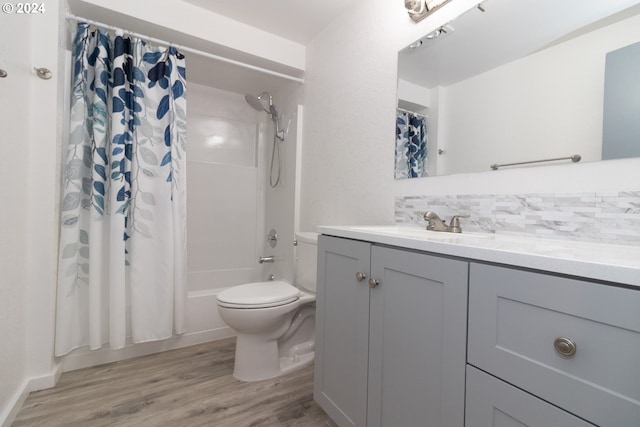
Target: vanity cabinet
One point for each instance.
(494, 403)
(540, 349)
(572, 343)
(390, 335)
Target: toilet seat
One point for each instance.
(259, 295)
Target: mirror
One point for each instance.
(520, 81)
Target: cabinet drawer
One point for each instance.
(514, 318)
(494, 403)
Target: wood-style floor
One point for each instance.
(187, 387)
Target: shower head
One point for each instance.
(255, 102)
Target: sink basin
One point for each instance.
(419, 233)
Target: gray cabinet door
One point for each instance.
(417, 348)
(342, 330)
(494, 403)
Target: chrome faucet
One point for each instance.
(436, 224)
(266, 259)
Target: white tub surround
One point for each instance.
(596, 261)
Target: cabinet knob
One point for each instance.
(360, 276)
(565, 347)
(373, 283)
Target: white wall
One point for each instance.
(14, 58)
(350, 98)
(28, 187)
(48, 97)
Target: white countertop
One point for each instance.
(611, 263)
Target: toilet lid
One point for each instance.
(259, 294)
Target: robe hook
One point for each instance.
(44, 73)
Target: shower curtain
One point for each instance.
(411, 145)
(121, 269)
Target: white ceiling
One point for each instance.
(296, 20)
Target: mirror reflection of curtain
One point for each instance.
(411, 145)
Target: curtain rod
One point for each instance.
(186, 49)
(412, 112)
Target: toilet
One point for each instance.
(274, 320)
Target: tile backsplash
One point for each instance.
(606, 217)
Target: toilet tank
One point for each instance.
(306, 260)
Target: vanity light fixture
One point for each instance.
(440, 32)
(420, 9)
(445, 29)
(435, 34)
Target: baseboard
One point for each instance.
(27, 386)
(10, 413)
(46, 381)
(82, 358)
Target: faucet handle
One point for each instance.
(455, 223)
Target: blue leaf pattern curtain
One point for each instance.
(411, 145)
(122, 269)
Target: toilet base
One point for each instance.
(292, 364)
(257, 361)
